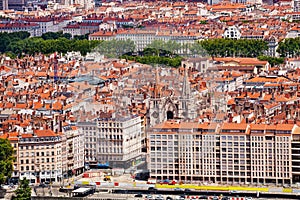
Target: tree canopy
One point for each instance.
(7, 38)
(289, 47)
(159, 45)
(229, 47)
(19, 43)
(24, 191)
(272, 60)
(158, 52)
(56, 35)
(197, 50)
(6, 160)
(62, 45)
(115, 48)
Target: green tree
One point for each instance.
(4, 41)
(67, 36)
(289, 47)
(156, 46)
(56, 35)
(272, 60)
(172, 47)
(221, 47)
(197, 49)
(6, 160)
(24, 191)
(115, 48)
(82, 37)
(16, 48)
(21, 35)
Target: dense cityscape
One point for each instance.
(186, 93)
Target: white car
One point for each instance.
(149, 197)
(180, 198)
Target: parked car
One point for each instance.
(149, 197)
(153, 189)
(138, 195)
(178, 189)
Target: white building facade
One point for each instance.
(119, 141)
(115, 142)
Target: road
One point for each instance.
(126, 182)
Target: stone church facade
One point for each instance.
(164, 104)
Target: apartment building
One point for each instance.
(227, 153)
(40, 156)
(91, 137)
(74, 150)
(232, 32)
(119, 141)
(296, 5)
(32, 28)
(114, 141)
(48, 24)
(43, 155)
(81, 28)
(4, 5)
(17, 4)
(142, 38)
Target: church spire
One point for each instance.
(185, 86)
(157, 82)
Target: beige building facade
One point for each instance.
(227, 153)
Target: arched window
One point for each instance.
(170, 115)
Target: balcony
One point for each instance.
(70, 156)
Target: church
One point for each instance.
(171, 101)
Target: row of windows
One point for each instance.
(32, 154)
(89, 128)
(164, 149)
(223, 137)
(46, 139)
(110, 124)
(106, 158)
(37, 147)
(224, 173)
(111, 150)
(22, 168)
(27, 161)
(242, 144)
(163, 136)
(235, 138)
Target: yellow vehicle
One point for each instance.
(107, 178)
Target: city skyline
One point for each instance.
(192, 91)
